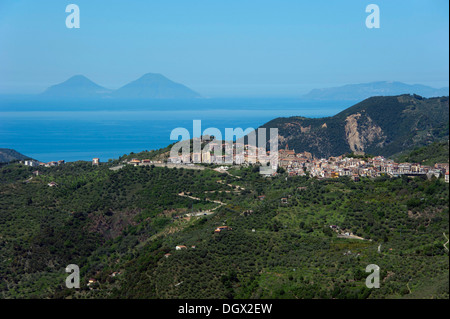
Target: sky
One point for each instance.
(224, 48)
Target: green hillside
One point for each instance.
(126, 220)
(437, 152)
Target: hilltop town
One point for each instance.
(355, 165)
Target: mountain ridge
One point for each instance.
(8, 155)
(378, 125)
(148, 86)
(154, 86)
(75, 86)
(363, 91)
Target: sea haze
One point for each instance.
(50, 130)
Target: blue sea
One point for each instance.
(80, 130)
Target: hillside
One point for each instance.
(358, 92)
(438, 152)
(9, 155)
(121, 227)
(378, 125)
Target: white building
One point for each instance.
(31, 163)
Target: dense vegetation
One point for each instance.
(427, 155)
(127, 220)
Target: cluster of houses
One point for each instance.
(355, 168)
(33, 163)
(336, 166)
(305, 163)
(296, 164)
(137, 162)
(219, 153)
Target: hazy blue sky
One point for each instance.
(224, 48)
